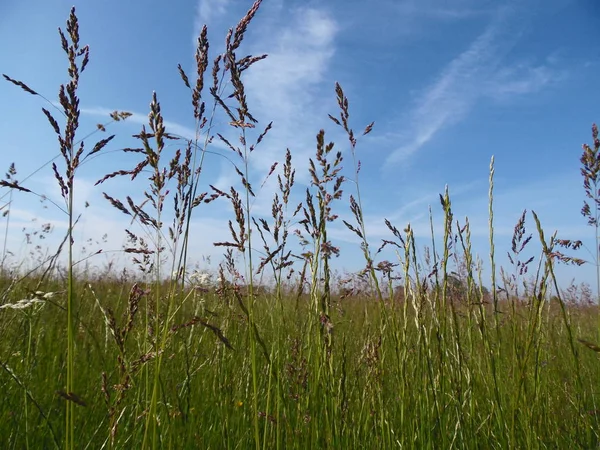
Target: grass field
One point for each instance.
(411, 353)
(429, 380)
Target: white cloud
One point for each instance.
(436, 9)
(298, 59)
(207, 10)
(476, 74)
(521, 79)
(286, 87)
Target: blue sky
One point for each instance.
(448, 84)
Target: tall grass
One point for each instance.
(413, 352)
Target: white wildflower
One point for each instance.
(43, 295)
(200, 278)
(23, 304)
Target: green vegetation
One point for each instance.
(156, 359)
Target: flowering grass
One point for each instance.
(411, 353)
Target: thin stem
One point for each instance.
(251, 318)
(70, 419)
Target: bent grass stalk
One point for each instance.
(244, 120)
(590, 161)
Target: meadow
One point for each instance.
(276, 349)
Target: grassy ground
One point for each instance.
(439, 380)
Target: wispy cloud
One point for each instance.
(477, 73)
(436, 9)
(298, 59)
(207, 10)
(521, 79)
(287, 86)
